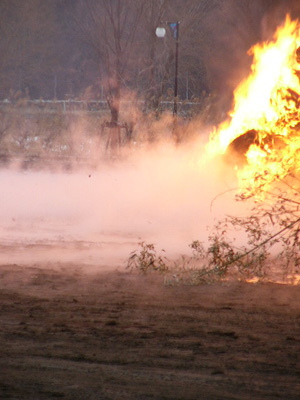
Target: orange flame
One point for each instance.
(268, 102)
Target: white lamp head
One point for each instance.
(160, 32)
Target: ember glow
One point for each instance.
(266, 104)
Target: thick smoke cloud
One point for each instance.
(97, 216)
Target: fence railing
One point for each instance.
(71, 105)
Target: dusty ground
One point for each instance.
(73, 334)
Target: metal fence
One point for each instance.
(72, 106)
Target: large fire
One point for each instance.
(267, 108)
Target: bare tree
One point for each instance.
(109, 28)
(153, 16)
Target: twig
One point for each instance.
(221, 194)
(253, 249)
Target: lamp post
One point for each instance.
(161, 32)
(176, 37)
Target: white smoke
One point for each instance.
(162, 195)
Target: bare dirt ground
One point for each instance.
(70, 333)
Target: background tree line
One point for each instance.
(108, 48)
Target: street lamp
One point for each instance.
(160, 33)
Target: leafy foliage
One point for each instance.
(202, 266)
(146, 259)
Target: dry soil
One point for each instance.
(73, 334)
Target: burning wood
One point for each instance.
(265, 120)
(239, 147)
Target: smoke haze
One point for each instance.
(162, 195)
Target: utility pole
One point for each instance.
(176, 36)
(160, 32)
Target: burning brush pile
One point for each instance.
(262, 140)
(264, 126)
